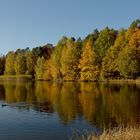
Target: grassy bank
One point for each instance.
(16, 77)
(129, 133)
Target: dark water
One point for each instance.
(45, 110)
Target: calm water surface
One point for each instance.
(47, 111)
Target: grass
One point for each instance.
(17, 77)
(129, 133)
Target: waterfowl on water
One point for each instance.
(3, 105)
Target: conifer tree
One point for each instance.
(20, 64)
(110, 61)
(70, 60)
(129, 57)
(128, 63)
(39, 68)
(105, 40)
(47, 71)
(55, 59)
(31, 62)
(10, 64)
(88, 69)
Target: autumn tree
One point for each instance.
(31, 62)
(39, 68)
(10, 64)
(20, 64)
(55, 59)
(70, 60)
(134, 40)
(89, 71)
(47, 71)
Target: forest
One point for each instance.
(102, 55)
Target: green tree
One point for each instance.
(93, 36)
(129, 57)
(20, 64)
(10, 64)
(128, 63)
(105, 40)
(47, 50)
(89, 71)
(110, 61)
(37, 52)
(135, 24)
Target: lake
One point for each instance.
(55, 111)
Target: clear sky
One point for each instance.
(31, 23)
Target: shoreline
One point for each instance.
(15, 77)
(30, 77)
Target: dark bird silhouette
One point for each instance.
(3, 105)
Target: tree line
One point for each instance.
(105, 54)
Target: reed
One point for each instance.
(128, 133)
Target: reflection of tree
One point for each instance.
(55, 94)
(120, 102)
(109, 105)
(43, 94)
(15, 91)
(89, 98)
(61, 98)
(9, 87)
(67, 107)
(30, 97)
(102, 104)
(2, 92)
(20, 92)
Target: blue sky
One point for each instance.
(31, 23)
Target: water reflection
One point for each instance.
(103, 105)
